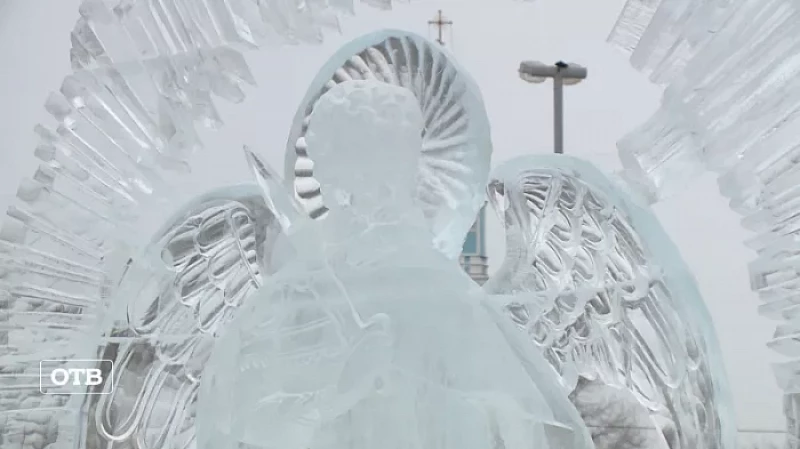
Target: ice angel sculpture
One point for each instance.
(373, 337)
(86, 274)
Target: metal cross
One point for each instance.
(440, 23)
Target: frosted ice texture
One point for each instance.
(456, 143)
(597, 285)
(729, 106)
(343, 349)
(71, 246)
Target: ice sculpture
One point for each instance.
(456, 146)
(731, 76)
(82, 276)
(341, 350)
(595, 282)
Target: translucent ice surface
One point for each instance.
(456, 144)
(597, 285)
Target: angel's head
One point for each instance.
(365, 139)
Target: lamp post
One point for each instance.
(562, 73)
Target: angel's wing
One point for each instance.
(155, 324)
(171, 303)
(595, 282)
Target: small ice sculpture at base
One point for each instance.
(375, 339)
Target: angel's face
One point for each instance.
(365, 140)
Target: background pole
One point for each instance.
(558, 113)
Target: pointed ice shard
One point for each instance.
(286, 210)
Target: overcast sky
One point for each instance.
(489, 42)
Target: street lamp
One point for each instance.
(562, 73)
